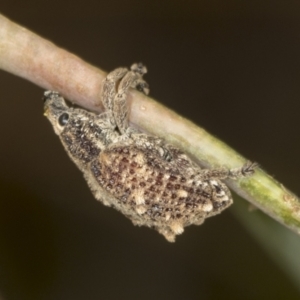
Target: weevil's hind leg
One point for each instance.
(109, 91)
(120, 108)
(247, 169)
(222, 173)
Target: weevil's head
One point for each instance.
(56, 110)
(83, 133)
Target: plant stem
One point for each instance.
(25, 54)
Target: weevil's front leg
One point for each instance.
(222, 173)
(120, 107)
(140, 84)
(108, 92)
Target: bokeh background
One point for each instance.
(233, 67)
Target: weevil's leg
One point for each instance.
(246, 170)
(140, 84)
(109, 90)
(120, 108)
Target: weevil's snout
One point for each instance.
(56, 110)
(53, 100)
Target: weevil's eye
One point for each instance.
(63, 119)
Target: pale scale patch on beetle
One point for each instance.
(151, 182)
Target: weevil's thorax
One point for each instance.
(82, 137)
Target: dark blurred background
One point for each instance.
(233, 67)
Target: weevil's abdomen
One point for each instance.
(151, 191)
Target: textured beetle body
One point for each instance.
(151, 182)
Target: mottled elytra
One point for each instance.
(151, 182)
